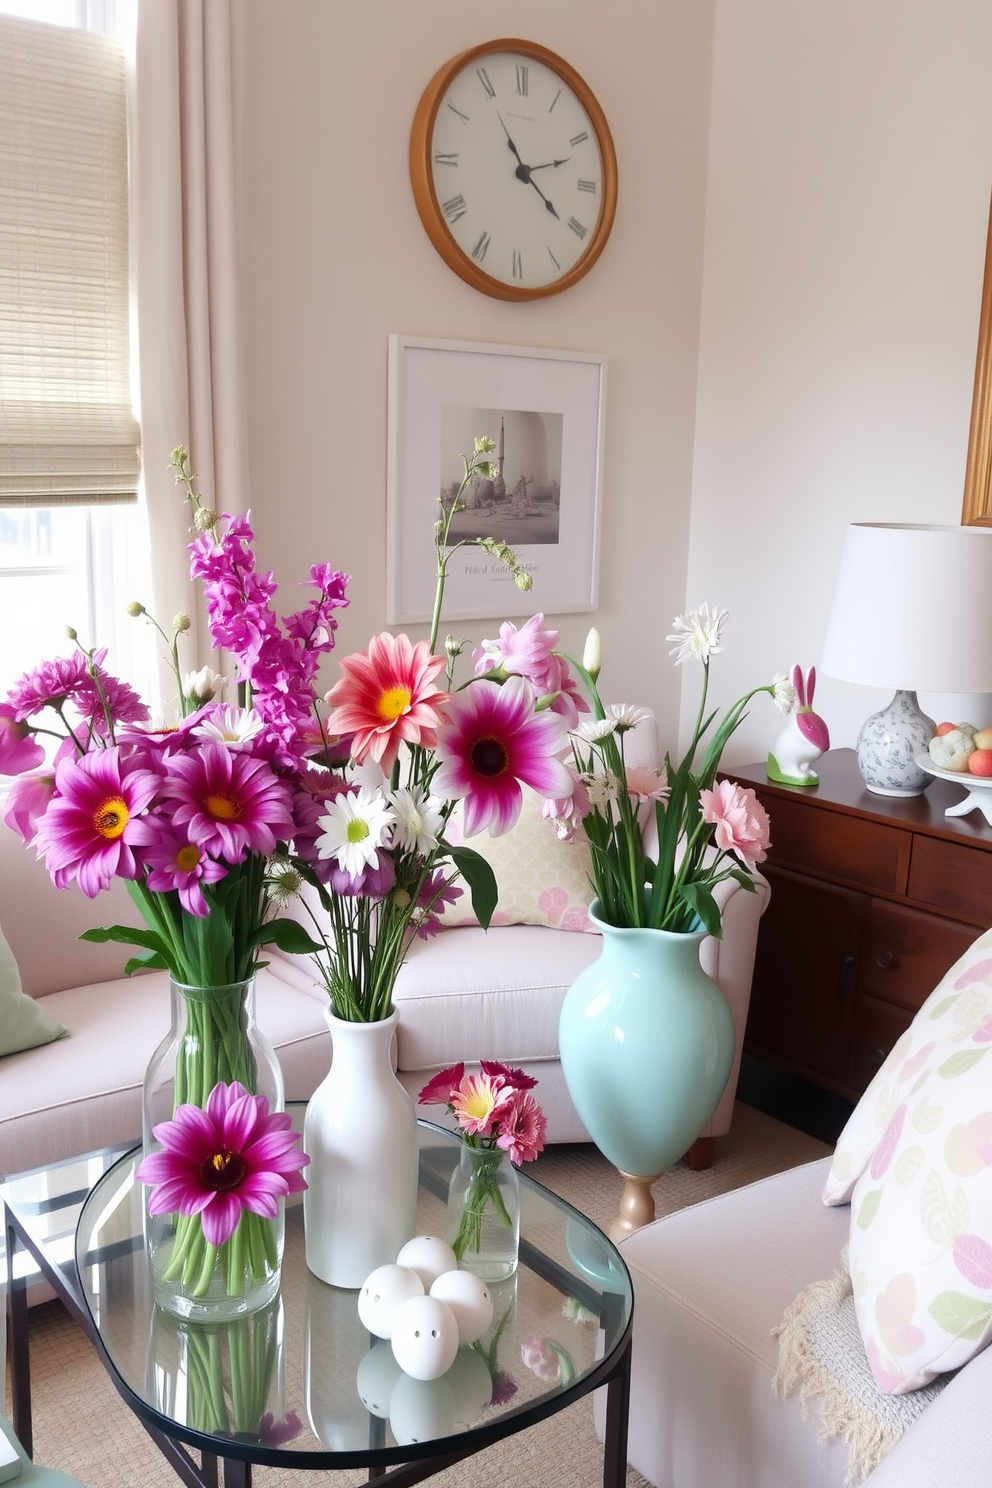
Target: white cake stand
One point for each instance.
(978, 787)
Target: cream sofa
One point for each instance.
(465, 994)
(710, 1283)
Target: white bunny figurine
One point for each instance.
(803, 739)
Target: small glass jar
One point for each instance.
(484, 1212)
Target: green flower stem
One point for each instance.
(483, 1188)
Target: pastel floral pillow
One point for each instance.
(541, 880)
(920, 1250)
(915, 1053)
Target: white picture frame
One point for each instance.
(549, 408)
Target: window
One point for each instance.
(67, 431)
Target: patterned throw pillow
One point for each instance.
(541, 880)
(921, 1208)
(907, 1060)
(24, 1023)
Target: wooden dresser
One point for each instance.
(873, 898)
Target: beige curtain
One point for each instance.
(186, 250)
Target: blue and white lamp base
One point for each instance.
(888, 745)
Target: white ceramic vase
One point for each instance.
(360, 1133)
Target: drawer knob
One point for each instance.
(878, 1056)
(886, 960)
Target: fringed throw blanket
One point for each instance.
(821, 1351)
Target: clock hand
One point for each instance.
(522, 171)
(548, 163)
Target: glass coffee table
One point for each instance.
(302, 1384)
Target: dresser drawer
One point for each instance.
(879, 1027)
(954, 879)
(864, 854)
(906, 953)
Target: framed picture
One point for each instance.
(977, 508)
(544, 411)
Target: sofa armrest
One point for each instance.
(951, 1442)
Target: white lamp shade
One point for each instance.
(912, 609)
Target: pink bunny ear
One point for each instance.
(797, 682)
(810, 685)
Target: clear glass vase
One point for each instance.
(213, 1038)
(484, 1212)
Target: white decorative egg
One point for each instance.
(425, 1337)
(377, 1374)
(470, 1300)
(386, 1289)
(428, 1255)
(422, 1410)
(471, 1384)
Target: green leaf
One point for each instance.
(869, 1208)
(125, 935)
(288, 935)
(150, 961)
(961, 1315)
(700, 900)
(481, 880)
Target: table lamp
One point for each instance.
(912, 610)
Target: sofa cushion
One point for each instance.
(470, 994)
(943, 1026)
(541, 879)
(85, 1092)
(24, 1023)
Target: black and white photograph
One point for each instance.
(544, 412)
(521, 503)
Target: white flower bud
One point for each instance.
(203, 685)
(592, 656)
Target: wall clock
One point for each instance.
(513, 170)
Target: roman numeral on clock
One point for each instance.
(577, 227)
(483, 77)
(587, 186)
(521, 81)
(443, 157)
(454, 208)
(464, 117)
(579, 139)
(554, 261)
(479, 251)
(518, 265)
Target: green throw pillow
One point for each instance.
(24, 1023)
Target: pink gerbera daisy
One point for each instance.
(175, 863)
(87, 831)
(442, 1086)
(232, 1156)
(522, 1128)
(480, 1101)
(740, 820)
(387, 698)
(492, 741)
(229, 803)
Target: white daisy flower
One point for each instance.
(592, 730)
(602, 788)
(354, 829)
(783, 693)
(697, 634)
(233, 727)
(418, 820)
(627, 717)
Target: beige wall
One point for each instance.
(815, 240)
(850, 166)
(337, 259)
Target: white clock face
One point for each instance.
(517, 170)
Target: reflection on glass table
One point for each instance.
(304, 1384)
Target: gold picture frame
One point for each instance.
(977, 508)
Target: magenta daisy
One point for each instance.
(28, 799)
(442, 1086)
(479, 1102)
(49, 685)
(492, 741)
(217, 1162)
(229, 803)
(175, 863)
(87, 831)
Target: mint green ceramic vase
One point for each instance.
(646, 1041)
